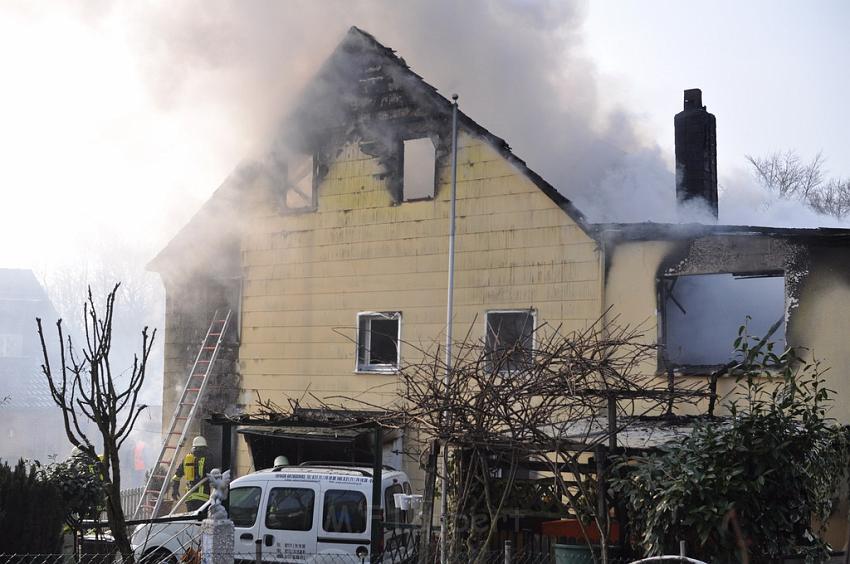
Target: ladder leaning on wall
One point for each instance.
(184, 413)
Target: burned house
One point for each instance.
(332, 254)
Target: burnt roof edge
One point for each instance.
(649, 231)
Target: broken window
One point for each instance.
(702, 314)
(299, 191)
(510, 338)
(378, 335)
(419, 169)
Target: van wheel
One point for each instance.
(159, 556)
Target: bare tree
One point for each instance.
(88, 393)
(788, 176)
(832, 198)
(553, 406)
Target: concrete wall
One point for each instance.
(306, 276)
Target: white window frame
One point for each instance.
(522, 310)
(379, 368)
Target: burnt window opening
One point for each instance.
(420, 169)
(701, 315)
(378, 335)
(509, 342)
(300, 183)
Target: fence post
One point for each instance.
(217, 543)
(508, 551)
(258, 551)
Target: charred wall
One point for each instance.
(191, 303)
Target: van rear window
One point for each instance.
(290, 509)
(244, 504)
(344, 512)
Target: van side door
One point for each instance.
(288, 524)
(344, 526)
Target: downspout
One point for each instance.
(447, 379)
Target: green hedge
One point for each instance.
(31, 511)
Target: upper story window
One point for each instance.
(419, 169)
(378, 335)
(300, 189)
(701, 315)
(509, 343)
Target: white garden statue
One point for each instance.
(219, 486)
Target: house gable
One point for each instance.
(365, 93)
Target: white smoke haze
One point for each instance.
(518, 67)
(184, 91)
(743, 200)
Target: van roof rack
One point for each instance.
(326, 463)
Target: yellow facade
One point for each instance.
(307, 275)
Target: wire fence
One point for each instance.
(194, 556)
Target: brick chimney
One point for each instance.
(696, 152)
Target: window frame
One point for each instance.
(530, 310)
(368, 367)
(258, 510)
(403, 154)
(664, 365)
(268, 508)
(314, 181)
(325, 506)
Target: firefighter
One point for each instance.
(196, 465)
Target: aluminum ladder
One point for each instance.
(184, 413)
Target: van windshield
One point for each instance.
(344, 512)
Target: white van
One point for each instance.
(309, 513)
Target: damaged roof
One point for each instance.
(649, 231)
(337, 86)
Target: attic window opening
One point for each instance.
(378, 336)
(509, 342)
(420, 164)
(299, 183)
(701, 315)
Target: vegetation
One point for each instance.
(90, 395)
(775, 464)
(787, 176)
(508, 405)
(79, 488)
(31, 511)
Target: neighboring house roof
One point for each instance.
(319, 107)
(18, 284)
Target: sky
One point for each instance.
(118, 119)
(774, 73)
